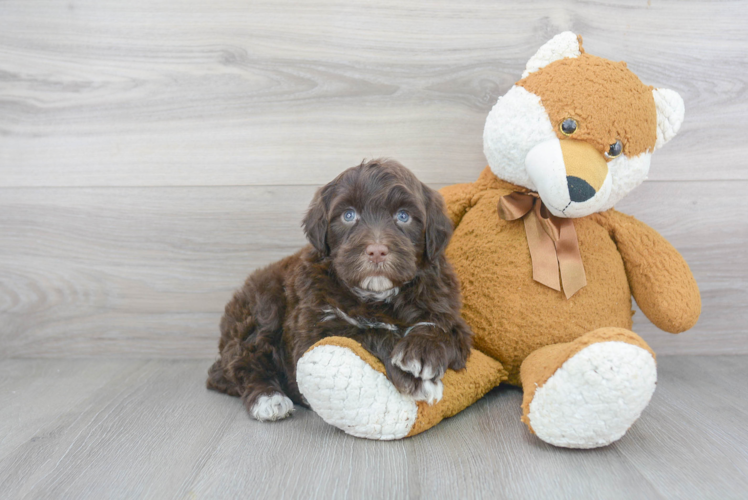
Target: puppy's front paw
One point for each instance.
(421, 357)
(430, 391)
(418, 364)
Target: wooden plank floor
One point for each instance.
(148, 429)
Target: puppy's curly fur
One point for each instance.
(375, 272)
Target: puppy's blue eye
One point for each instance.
(403, 216)
(349, 215)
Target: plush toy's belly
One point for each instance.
(510, 313)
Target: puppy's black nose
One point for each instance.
(579, 189)
(377, 252)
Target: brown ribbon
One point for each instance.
(552, 240)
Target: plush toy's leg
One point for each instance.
(348, 388)
(587, 393)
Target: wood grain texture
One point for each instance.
(149, 429)
(146, 271)
(152, 154)
(704, 410)
(197, 92)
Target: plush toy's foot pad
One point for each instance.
(594, 397)
(348, 388)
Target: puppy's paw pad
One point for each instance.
(273, 407)
(412, 366)
(430, 391)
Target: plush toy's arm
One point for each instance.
(459, 198)
(659, 277)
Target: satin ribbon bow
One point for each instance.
(552, 240)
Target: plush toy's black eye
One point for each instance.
(568, 126)
(615, 150)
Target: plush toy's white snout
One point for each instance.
(571, 177)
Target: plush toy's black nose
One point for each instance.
(579, 189)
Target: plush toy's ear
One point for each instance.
(670, 113)
(565, 44)
(438, 228)
(316, 221)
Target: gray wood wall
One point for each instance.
(153, 153)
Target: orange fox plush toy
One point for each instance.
(547, 266)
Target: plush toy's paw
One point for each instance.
(347, 387)
(271, 407)
(595, 396)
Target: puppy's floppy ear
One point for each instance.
(438, 226)
(316, 221)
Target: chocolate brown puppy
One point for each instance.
(374, 271)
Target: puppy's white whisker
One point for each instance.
(363, 266)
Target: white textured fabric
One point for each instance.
(516, 124)
(625, 174)
(547, 171)
(670, 113)
(560, 46)
(350, 395)
(595, 396)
